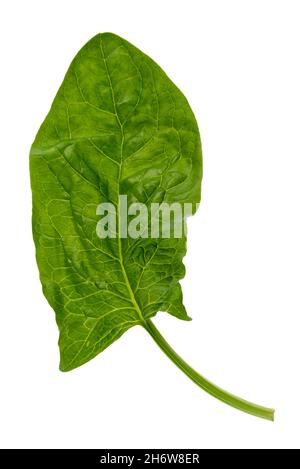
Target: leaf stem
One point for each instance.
(221, 394)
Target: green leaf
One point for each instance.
(117, 126)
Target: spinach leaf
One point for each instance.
(117, 125)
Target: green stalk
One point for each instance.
(230, 399)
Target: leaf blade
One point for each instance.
(117, 125)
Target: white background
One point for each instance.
(238, 64)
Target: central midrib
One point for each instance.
(121, 260)
(130, 291)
